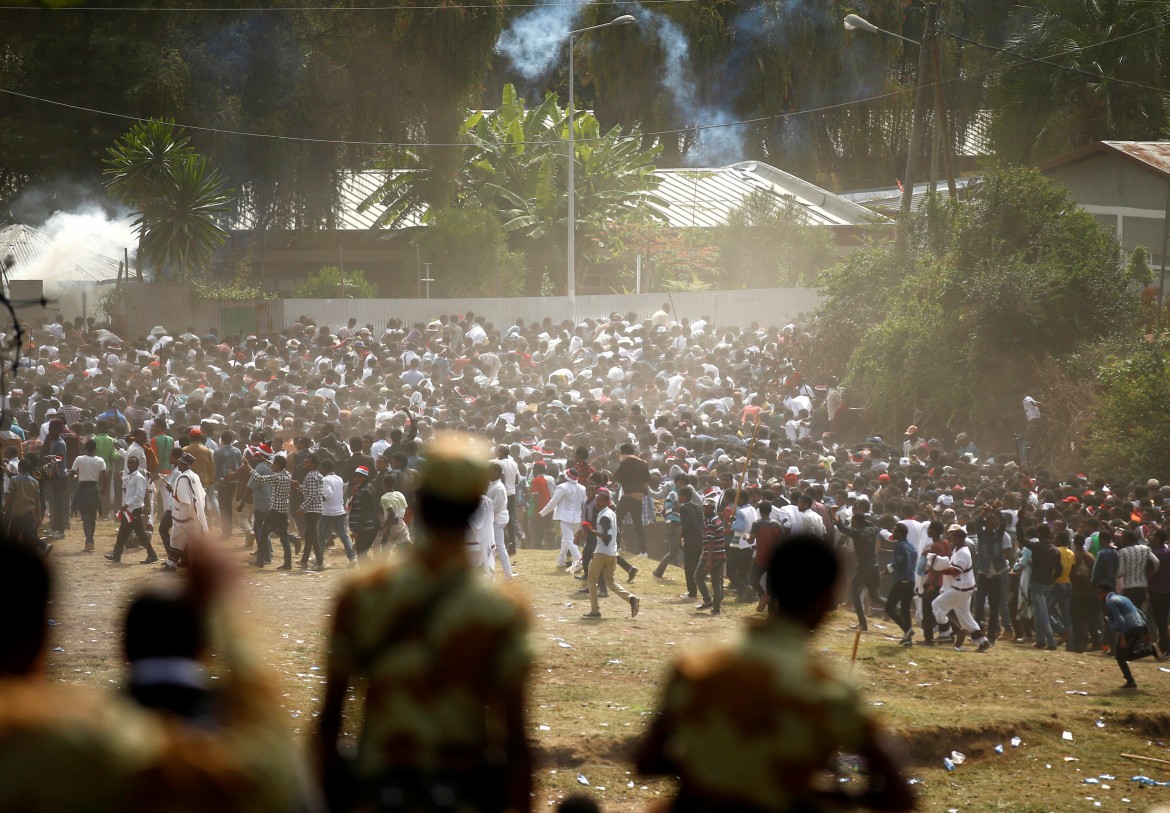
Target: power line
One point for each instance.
(693, 129)
(1069, 68)
(249, 9)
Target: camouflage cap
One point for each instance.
(455, 466)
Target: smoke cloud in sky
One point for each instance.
(535, 42)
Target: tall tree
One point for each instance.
(1041, 110)
(178, 196)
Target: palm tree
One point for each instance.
(177, 195)
(180, 223)
(1040, 110)
(137, 164)
(515, 162)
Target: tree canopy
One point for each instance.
(953, 333)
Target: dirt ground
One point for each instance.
(597, 681)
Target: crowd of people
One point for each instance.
(711, 447)
(712, 441)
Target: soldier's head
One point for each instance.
(164, 623)
(802, 576)
(454, 476)
(24, 599)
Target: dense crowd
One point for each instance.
(712, 448)
(705, 444)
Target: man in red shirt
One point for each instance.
(766, 534)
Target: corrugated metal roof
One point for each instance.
(1155, 154)
(699, 198)
(704, 198)
(889, 199)
(28, 247)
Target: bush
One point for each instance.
(1130, 433)
(328, 284)
(952, 332)
(468, 254)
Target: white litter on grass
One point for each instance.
(581, 779)
(614, 661)
(1163, 669)
(1100, 724)
(1066, 736)
(629, 784)
(543, 728)
(958, 758)
(58, 649)
(1071, 759)
(1082, 694)
(1017, 742)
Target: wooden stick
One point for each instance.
(1147, 759)
(853, 657)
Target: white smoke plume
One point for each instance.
(536, 40)
(74, 238)
(713, 146)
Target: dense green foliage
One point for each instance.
(515, 164)
(401, 73)
(330, 283)
(468, 255)
(1130, 433)
(769, 243)
(950, 335)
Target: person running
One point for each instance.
(604, 560)
(713, 559)
(1129, 624)
(136, 496)
(956, 593)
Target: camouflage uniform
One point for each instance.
(436, 648)
(63, 749)
(746, 726)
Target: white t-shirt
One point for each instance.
(333, 490)
(89, 468)
(1031, 409)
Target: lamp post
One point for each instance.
(855, 23)
(625, 19)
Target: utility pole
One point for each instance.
(919, 122)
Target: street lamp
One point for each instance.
(854, 22)
(625, 19)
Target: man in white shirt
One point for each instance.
(567, 507)
(604, 560)
(957, 591)
(188, 510)
(499, 498)
(90, 471)
(481, 537)
(510, 475)
(333, 515)
(810, 519)
(134, 497)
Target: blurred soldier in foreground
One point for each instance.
(444, 657)
(748, 727)
(65, 749)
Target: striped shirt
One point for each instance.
(714, 540)
(1131, 567)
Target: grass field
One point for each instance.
(597, 681)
